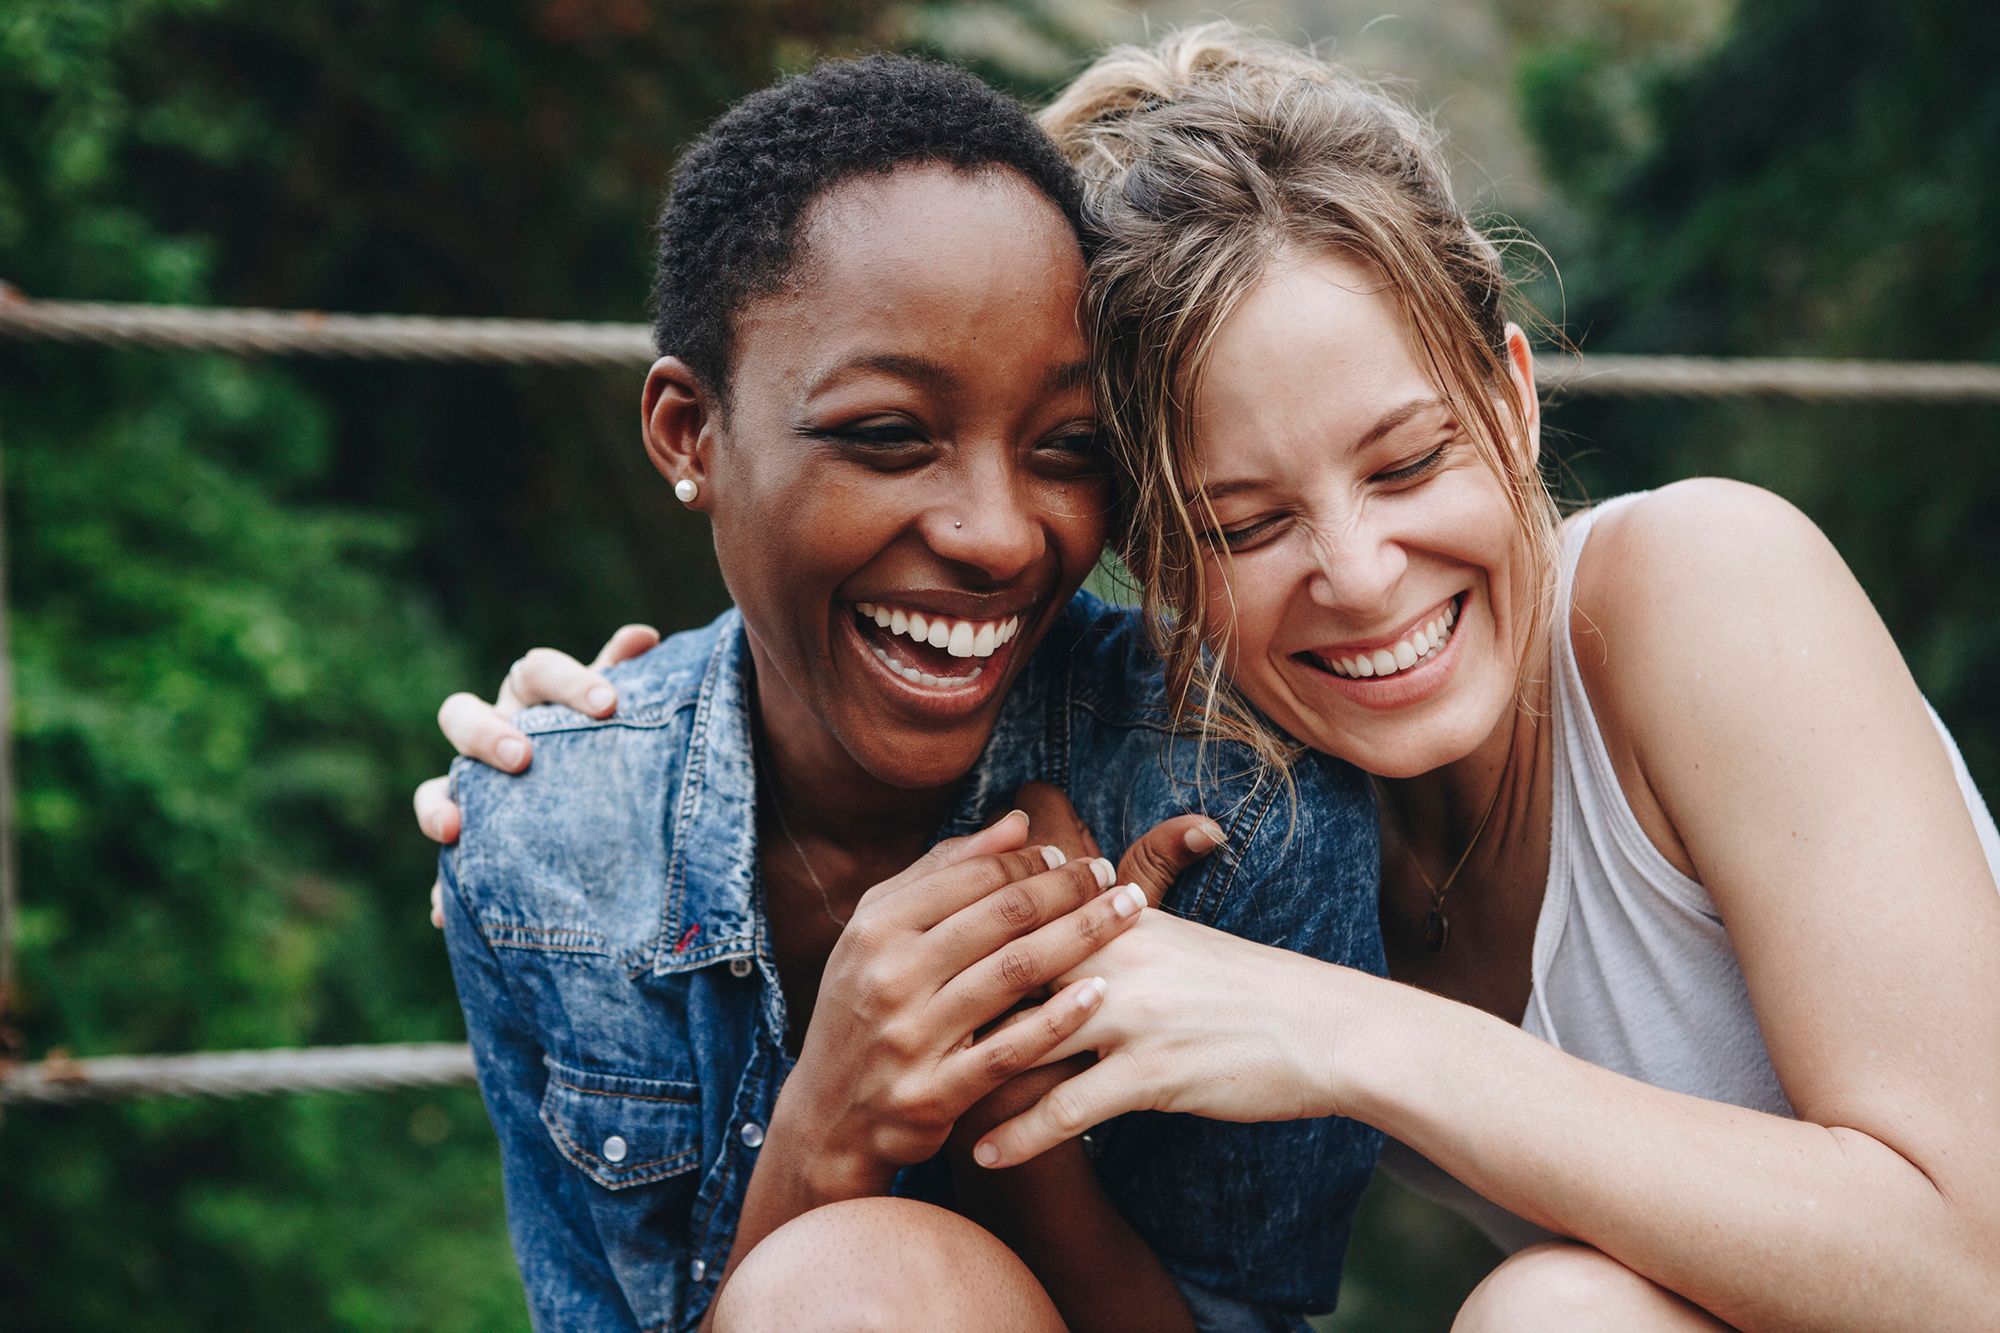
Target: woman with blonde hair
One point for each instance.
(1688, 898)
(1689, 901)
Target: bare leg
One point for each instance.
(877, 1265)
(1562, 1287)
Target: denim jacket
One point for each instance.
(604, 915)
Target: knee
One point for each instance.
(1560, 1285)
(879, 1266)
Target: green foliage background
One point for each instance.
(239, 588)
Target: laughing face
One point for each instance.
(1365, 555)
(905, 485)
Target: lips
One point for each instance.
(938, 663)
(1396, 671)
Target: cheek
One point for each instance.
(1246, 601)
(1078, 519)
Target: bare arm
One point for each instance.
(1800, 777)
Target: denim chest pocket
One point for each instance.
(622, 1131)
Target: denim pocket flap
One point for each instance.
(619, 1130)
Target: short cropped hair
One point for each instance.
(728, 232)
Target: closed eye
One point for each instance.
(1421, 467)
(1249, 535)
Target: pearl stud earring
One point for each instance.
(685, 490)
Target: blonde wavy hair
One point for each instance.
(1203, 157)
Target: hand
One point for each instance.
(1159, 857)
(892, 1057)
(1196, 1021)
(479, 730)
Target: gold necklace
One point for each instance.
(1437, 926)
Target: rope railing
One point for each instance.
(62, 1080)
(559, 343)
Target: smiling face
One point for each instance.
(905, 486)
(1378, 585)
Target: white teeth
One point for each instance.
(960, 638)
(1405, 653)
(925, 678)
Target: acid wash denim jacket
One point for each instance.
(604, 914)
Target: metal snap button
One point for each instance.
(697, 1270)
(614, 1149)
(739, 967)
(752, 1134)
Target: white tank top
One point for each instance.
(1632, 969)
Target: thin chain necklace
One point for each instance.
(785, 827)
(1437, 926)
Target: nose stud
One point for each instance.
(685, 490)
(958, 523)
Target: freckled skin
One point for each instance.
(1300, 372)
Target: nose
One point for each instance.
(1357, 565)
(985, 520)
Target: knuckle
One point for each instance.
(1066, 1111)
(1092, 927)
(541, 661)
(1017, 969)
(1001, 1060)
(1015, 906)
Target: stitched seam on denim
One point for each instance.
(627, 1096)
(1211, 889)
(686, 809)
(573, 1152)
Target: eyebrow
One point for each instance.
(1394, 419)
(934, 375)
(918, 370)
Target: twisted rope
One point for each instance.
(62, 1081)
(310, 333)
(531, 342)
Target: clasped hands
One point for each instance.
(925, 1011)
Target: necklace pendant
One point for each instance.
(1437, 930)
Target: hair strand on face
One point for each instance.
(1206, 158)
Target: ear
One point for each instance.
(679, 420)
(1521, 370)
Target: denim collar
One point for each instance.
(714, 909)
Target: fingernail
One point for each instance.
(434, 825)
(1053, 857)
(511, 753)
(1129, 900)
(600, 698)
(1204, 837)
(1103, 870)
(986, 1155)
(1093, 991)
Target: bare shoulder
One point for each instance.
(1708, 609)
(1702, 573)
(1696, 545)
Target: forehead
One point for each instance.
(1316, 347)
(929, 259)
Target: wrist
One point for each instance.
(1342, 1038)
(822, 1166)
